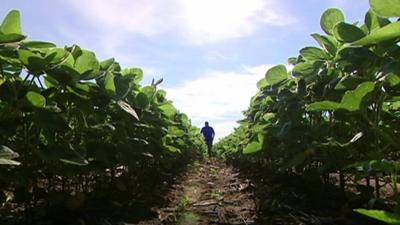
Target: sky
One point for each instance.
(211, 53)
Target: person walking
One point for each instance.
(209, 134)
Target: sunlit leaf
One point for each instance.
(11, 23)
(386, 33)
(36, 99)
(347, 32)
(109, 84)
(253, 147)
(386, 8)
(387, 217)
(330, 18)
(276, 74)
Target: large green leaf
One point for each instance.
(106, 64)
(276, 74)
(326, 43)
(330, 18)
(373, 21)
(261, 84)
(388, 32)
(313, 53)
(305, 69)
(386, 8)
(253, 147)
(168, 109)
(38, 62)
(36, 99)
(11, 23)
(323, 105)
(109, 84)
(135, 73)
(347, 32)
(393, 79)
(352, 100)
(142, 100)
(348, 83)
(86, 62)
(11, 38)
(38, 44)
(34, 62)
(387, 217)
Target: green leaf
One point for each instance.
(305, 69)
(348, 83)
(393, 79)
(388, 32)
(11, 38)
(171, 148)
(387, 217)
(150, 91)
(253, 147)
(292, 61)
(352, 100)
(373, 21)
(11, 23)
(55, 56)
(386, 8)
(168, 109)
(136, 73)
(326, 43)
(109, 84)
(323, 105)
(347, 32)
(86, 62)
(261, 84)
(38, 44)
(330, 18)
(36, 99)
(276, 74)
(313, 54)
(106, 64)
(142, 100)
(35, 63)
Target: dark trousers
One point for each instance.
(209, 146)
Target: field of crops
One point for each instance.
(79, 134)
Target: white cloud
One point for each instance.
(218, 97)
(198, 21)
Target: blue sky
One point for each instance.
(210, 53)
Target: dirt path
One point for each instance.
(210, 193)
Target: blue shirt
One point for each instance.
(208, 133)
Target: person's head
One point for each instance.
(206, 123)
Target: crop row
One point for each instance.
(336, 111)
(73, 127)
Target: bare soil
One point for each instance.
(210, 192)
